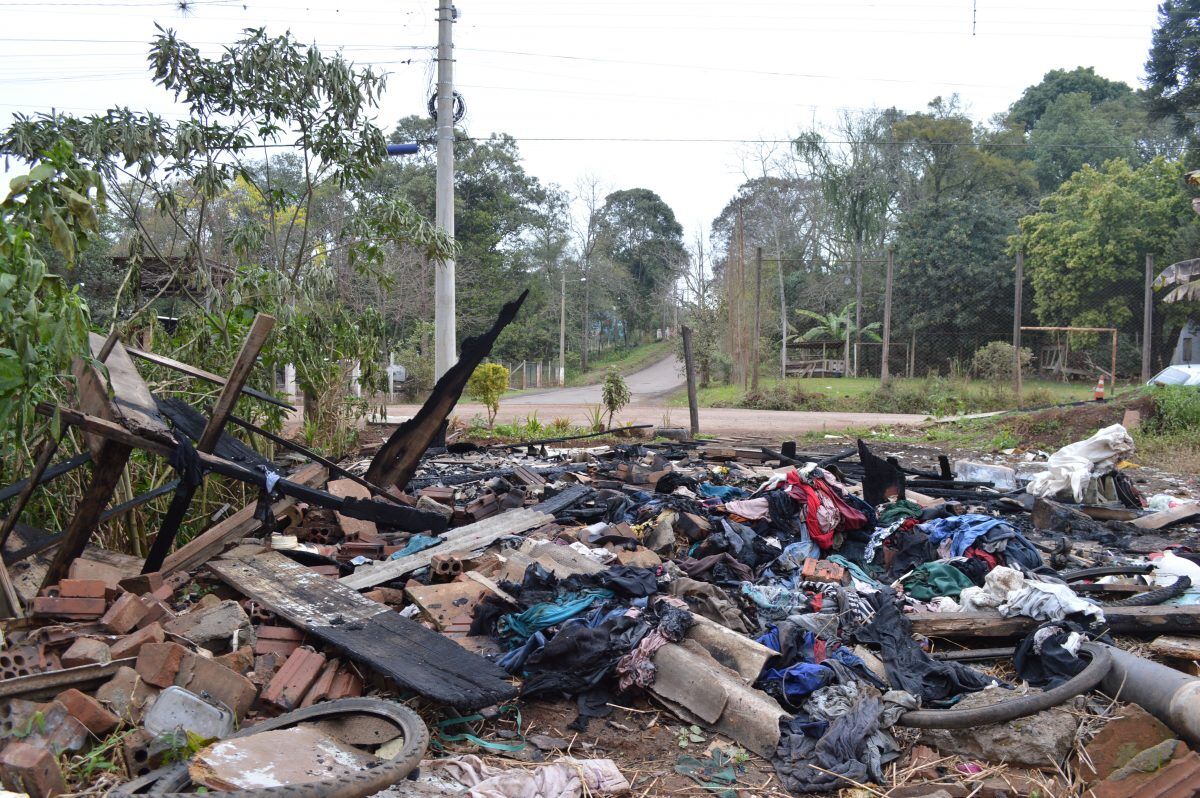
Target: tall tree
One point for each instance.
(1173, 67)
(1034, 101)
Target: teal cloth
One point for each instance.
(856, 571)
(516, 628)
(933, 579)
(898, 511)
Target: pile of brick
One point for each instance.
(95, 655)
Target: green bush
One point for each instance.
(614, 393)
(784, 396)
(487, 384)
(994, 361)
(1176, 409)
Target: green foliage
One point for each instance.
(595, 418)
(487, 384)
(614, 393)
(783, 395)
(836, 326)
(686, 735)
(1086, 244)
(43, 320)
(1173, 67)
(994, 361)
(1176, 409)
(1073, 132)
(1035, 100)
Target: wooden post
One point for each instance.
(884, 372)
(754, 353)
(912, 355)
(1112, 388)
(689, 364)
(242, 366)
(1147, 319)
(1020, 284)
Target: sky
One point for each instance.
(672, 95)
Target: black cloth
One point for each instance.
(629, 581)
(908, 666)
(840, 750)
(973, 568)
(881, 480)
(912, 548)
(1042, 661)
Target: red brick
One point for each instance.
(81, 588)
(240, 661)
(201, 675)
(156, 611)
(346, 684)
(131, 644)
(164, 593)
(124, 614)
(282, 640)
(86, 651)
(142, 583)
(28, 769)
(88, 711)
(294, 679)
(321, 687)
(73, 608)
(47, 726)
(82, 568)
(159, 663)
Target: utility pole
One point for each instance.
(1147, 319)
(444, 334)
(782, 318)
(884, 374)
(858, 269)
(562, 331)
(754, 355)
(1017, 325)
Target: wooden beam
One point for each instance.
(201, 374)
(368, 632)
(53, 472)
(182, 500)
(1143, 621)
(241, 524)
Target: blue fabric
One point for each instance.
(964, 529)
(416, 543)
(800, 680)
(514, 661)
(518, 627)
(795, 554)
(723, 492)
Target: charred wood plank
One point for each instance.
(201, 374)
(396, 461)
(1143, 621)
(368, 632)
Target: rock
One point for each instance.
(1119, 741)
(127, 695)
(213, 626)
(1040, 740)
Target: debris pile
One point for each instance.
(817, 610)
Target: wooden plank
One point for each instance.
(1178, 647)
(1167, 517)
(1118, 620)
(135, 408)
(241, 524)
(416, 658)
(446, 602)
(201, 374)
(209, 437)
(53, 472)
(472, 537)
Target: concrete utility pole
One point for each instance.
(562, 331)
(1147, 318)
(444, 334)
(885, 375)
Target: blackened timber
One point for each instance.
(401, 517)
(368, 632)
(53, 472)
(1142, 621)
(191, 423)
(201, 374)
(397, 460)
(569, 497)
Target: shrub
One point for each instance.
(487, 384)
(614, 393)
(1176, 408)
(785, 396)
(994, 361)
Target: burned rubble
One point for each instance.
(841, 618)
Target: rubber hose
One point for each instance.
(1154, 597)
(1107, 570)
(1020, 707)
(351, 785)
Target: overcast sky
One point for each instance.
(568, 77)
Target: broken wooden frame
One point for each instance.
(1112, 389)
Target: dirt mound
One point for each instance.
(1057, 426)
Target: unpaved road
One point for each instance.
(651, 382)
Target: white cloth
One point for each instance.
(1012, 594)
(1072, 466)
(565, 778)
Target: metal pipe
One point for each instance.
(1167, 694)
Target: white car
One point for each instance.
(1184, 374)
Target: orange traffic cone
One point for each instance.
(1100, 389)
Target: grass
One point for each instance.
(932, 395)
(626, 361)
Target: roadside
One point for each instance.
(625, 361)
(651, 382)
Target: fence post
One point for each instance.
(754, 353)
(884, 373)
(1147, 319)
(689, 365)
(1017, 325)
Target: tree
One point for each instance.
(43, 320)
(1173, 67)
(614, 393)
(1036, 99)
(487, 384)
(838, 326)
(1086, 244)
(637, 232)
